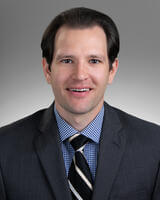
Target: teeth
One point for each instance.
(80, 90)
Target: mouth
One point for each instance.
(79, 89)
(79, 92)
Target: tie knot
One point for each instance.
(78, 141)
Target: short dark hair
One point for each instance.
(81, 17)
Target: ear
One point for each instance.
(46, 71)
(113, 71)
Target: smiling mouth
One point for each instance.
(79, 89)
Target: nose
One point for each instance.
(80, 71)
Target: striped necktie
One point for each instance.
(79, 176)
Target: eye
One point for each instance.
(94, 61)
(67, 61)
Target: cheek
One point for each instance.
(58, 80)
(60, 74)
(100, 76)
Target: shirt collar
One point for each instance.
(92, 131)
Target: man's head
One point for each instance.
(76, 62)
(81, 18)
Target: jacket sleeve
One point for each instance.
(2, 188)
(156, 193)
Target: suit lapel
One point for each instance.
(49, 151)
(112, 145)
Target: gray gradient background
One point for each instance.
(23, 89)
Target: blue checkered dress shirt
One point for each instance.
(92, 131)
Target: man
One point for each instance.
(41, 156)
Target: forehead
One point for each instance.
(88, 37)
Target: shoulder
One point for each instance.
(141, 137)
(131, 120)
(23, 128)
(135, 127)
(19, 138)
(135, 122)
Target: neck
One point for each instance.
(76, 120)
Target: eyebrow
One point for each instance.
(97, 56)
(60, 56)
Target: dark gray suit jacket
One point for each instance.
(32, 166)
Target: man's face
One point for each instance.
(79, 70)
